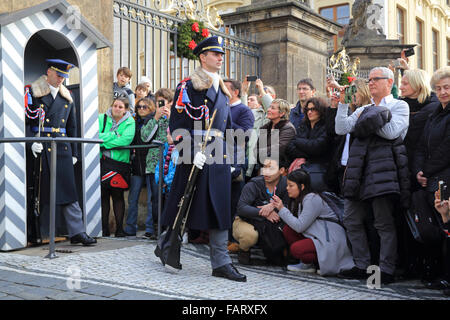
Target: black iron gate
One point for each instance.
(142, 42)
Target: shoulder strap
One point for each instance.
(104, 122)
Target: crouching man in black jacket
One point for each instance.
(257, 217)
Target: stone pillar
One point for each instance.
(376, 54)
(293, 42)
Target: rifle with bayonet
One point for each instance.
(35, 206)
(169, 244)
(34, 230)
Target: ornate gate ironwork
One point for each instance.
(142, 42)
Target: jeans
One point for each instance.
(136, 185)
(152, 219)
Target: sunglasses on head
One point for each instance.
(144, 107)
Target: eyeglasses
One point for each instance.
(376, 79)
(310, 109)
(144, 107)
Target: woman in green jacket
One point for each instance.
(117, 128)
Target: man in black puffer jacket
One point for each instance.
(377, 174)
(380, 180)
(376, 166)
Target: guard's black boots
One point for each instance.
(82, 238)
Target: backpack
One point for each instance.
(336, 204)
(271, 240)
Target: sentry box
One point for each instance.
(28, 37)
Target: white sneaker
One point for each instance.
(302, 267)
(185, 238)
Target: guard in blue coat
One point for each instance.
(57, 118)
(195, 101)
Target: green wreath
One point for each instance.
(344, 79)
(190, 33)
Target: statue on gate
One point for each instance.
(364, 27)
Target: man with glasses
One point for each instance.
(305, 91)
(380, 84)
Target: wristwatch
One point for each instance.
(276, 210)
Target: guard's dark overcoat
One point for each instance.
(59, 113)
(211, 203)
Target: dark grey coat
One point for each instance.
(59, 114)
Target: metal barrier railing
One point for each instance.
(54, 142)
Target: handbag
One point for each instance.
(423, 221)
(317, 173)
(115, 174)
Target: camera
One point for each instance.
(409, 52)
(444, 192)
(252, 78)
(161, 103)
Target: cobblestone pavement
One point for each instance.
(127, 269)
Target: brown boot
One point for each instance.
(244, 257)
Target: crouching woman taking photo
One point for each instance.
(310, 231)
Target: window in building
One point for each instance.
(401, 25)
(419, 40)
(448, 51)
(341, 14)
(435, 45)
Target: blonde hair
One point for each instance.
(363, 88)
(420, 82)
(440, 74)
(284, 107)
(270, 90)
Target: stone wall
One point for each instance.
(293, 42)
(100, 14)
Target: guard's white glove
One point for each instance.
(36, 148)
(199, 160)
(74, 160)
(233, 169)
